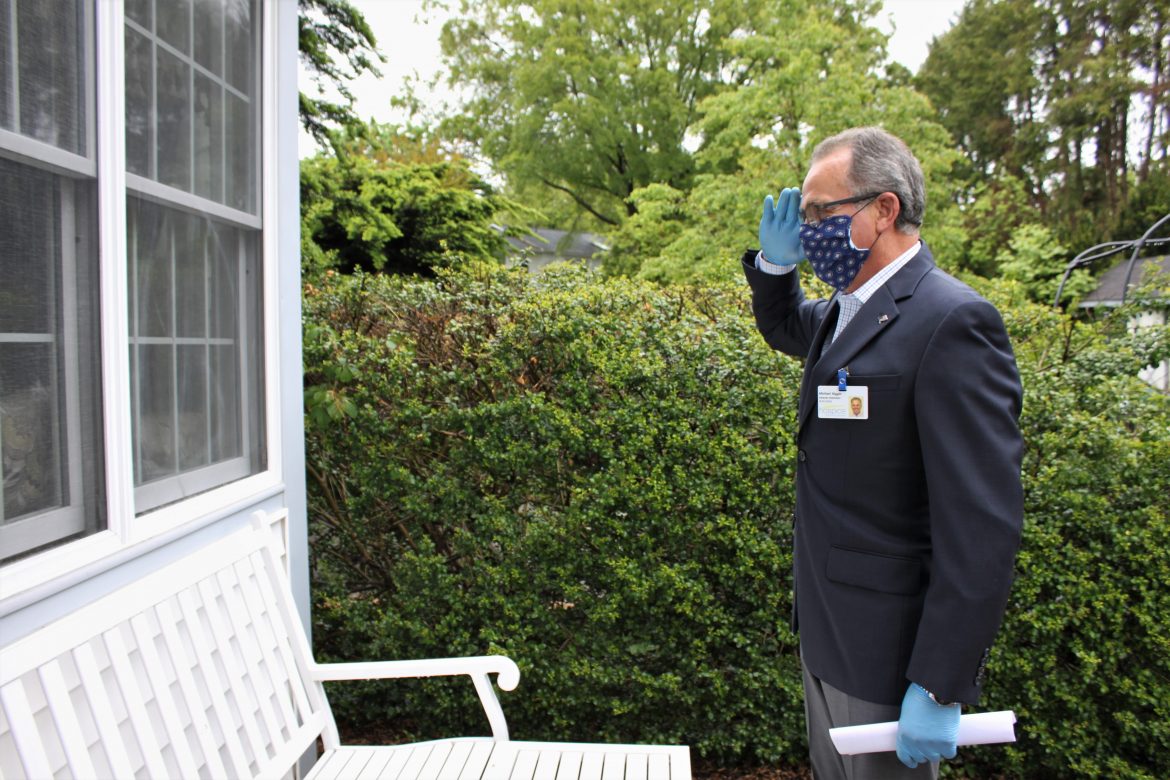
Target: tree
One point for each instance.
(1067, 97)
(1035, 259)
(808, 75)
(336, 46)
(395, 202)
(592, 100)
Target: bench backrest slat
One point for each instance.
(126, 679)
(25, 733)
(254, 712)
(214, 684)
(192, 670)
(103, 711)
(65, 717)
(172, 718)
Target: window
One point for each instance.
(194, 354)
(50, 372)
(192, 244)
(192, 282)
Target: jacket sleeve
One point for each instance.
(784, 317)
(967, 406)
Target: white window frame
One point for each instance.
(67, 518)
(128, 534)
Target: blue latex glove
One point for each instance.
(780, 229)
(926, 731)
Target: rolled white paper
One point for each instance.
(981, 728)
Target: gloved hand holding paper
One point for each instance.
(981, 728)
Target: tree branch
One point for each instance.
(580, 201)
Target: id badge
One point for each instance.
(852, 403)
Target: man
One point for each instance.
(907, 520)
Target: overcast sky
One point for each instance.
(410, 43)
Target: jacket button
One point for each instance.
(801, 456)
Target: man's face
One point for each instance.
(855, 405)
(825, 183)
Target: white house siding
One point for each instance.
(1157, 376)
(122, 541)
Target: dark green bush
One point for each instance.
(595, 478)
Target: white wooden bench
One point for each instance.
(202, 669)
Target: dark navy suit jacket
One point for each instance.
(907, 523)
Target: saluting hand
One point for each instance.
(780, 229)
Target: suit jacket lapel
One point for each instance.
(808, 391)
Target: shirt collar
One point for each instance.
(866, 291)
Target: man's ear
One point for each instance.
(888, 208)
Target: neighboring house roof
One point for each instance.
(1109, 287)
(561, 243)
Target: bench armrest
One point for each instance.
(476, 667)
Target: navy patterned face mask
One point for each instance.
(829, 247)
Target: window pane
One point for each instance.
(208, 138)
(191, 277)
(209, 35)
(51, 476)
(152, 258)
(139, 104)
(44, 59)
(191, 97)
(140, 11)
(225, 406)
(29, 419)
(174, 23)
(174, 121)
(7, 65)
(238, 19)
(155, 388)
(241, 153)
(193, 408)
(198, 410)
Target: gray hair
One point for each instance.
(881, 162)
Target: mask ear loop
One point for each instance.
(878, 236)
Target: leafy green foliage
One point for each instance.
(592, 477)
(1063, 97)
(590, 100)
(595, 477)
(1036, 260)
(392, 203)
(336, 45)
(812, 74)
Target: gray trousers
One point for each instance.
(825, 707)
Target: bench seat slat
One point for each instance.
(658, 767)
(386, 764)
(546, 765)
(636, 766)
(569, 767)
(477, 760)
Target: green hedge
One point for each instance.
(595, 478)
